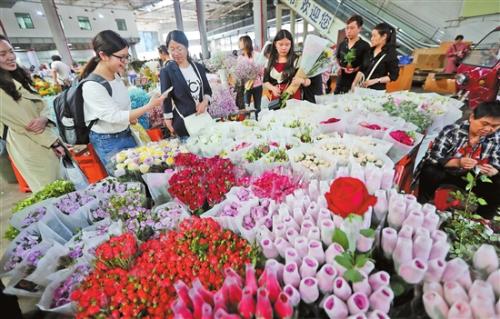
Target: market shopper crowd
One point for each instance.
(34, 148)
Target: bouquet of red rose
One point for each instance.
(199, 250)
(118, 252)
(201, 183)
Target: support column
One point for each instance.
(260, 22)
(293, 16)
(133, 51)
(49, 7)
(279, 16)
(178, 15)
(200, 14)
(304, 31)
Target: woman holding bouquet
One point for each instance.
(255, 90)
(31, 144)
(383, 65)
(191, 92)
(282, 66)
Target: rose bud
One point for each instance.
(335, 308)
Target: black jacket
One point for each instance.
(171, 75)
(388, 66)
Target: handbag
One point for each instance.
(72, 172)
(196, 123)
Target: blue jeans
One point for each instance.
(107, 145)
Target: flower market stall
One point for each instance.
(292, 216)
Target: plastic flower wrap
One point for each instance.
(223, 102)
(316, 57)
(201, 183)
(198, 252)
(248, 296)
(153, 157)
(410, 112)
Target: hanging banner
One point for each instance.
(315, 14)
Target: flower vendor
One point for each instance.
(111, 132)
(191, 92)
(455, 54)
(282, 66)
(351, 54)
(382, 65)
(23, 114)
(472, 145)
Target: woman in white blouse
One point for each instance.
(109, 116)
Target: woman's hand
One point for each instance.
(369, 83)
(58, 149)
(298, 81)
(201, 107)
(275, 90)
(155, 101)
(170, 127)
(488, 169)
(37, 125)
(467, 163)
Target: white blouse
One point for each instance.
(112, 112)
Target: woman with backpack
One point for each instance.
(32, 145)
(109, 116)
(190, 92)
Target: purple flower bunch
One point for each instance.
(245, 70)
(418, 249)
(261, 214)
(24, 250)
(62, 294)
(223, 102)
(108, 186)
(168, 218)
(34, 216)
(451, 292)
(70, 203)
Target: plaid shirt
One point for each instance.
(451, 139)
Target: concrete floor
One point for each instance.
(9, 195)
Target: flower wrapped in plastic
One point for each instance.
(316, 57)
(223, 102)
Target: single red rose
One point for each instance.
(330, 120)
(402, 137)
(349, 195)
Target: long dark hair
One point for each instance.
(247, 46)
(19, 74)
(289, 70)
(386, 29)
(179, 37)
(107, 41)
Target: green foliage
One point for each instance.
(54, 189)
(463, 226)
(410, 112)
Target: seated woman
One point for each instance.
(472, 145)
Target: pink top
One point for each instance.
(455, 53)
(258, 81)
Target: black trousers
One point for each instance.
(344, 83)
(256, 93)
(434, 176)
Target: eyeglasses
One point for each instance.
(177, 49)
(122, 58)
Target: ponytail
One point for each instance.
(106, 41)
(89, 67)
(390, 32)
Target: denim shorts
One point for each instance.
(107, 145)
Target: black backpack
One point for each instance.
(70, 118)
